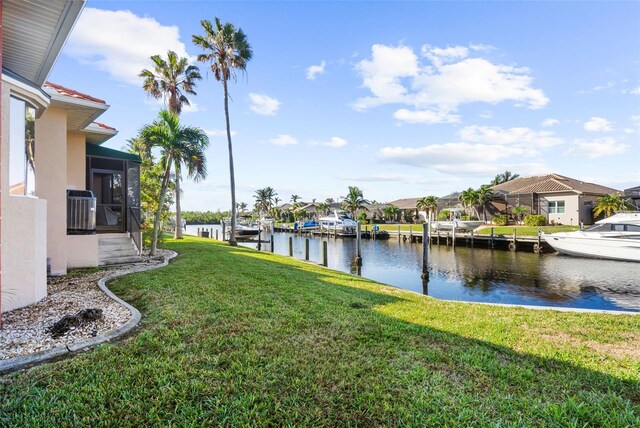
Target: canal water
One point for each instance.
(479, 274)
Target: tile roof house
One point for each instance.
(563, 200)
(51, 156)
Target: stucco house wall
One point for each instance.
(571, 215)
(24, 243)
(51, 182)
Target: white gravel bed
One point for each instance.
(25, 332)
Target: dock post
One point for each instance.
(410, 233)
(491, 242)
(512, 246)
(453, 236)
(538, 249)
(198, 232)
(324, 253)
(306, 249)
(358, 244)
(259, 240)
(438, 236)
(335, 230)
(398, 233)
(425, 252)
(217, 235)
(291, 246)
(223, 230)
(429, 230)
(272, 244)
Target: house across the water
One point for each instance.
(66, 201)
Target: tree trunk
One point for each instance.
(232, 237)
(156, 220)
(178, 232)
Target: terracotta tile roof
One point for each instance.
(551, 183)
(66, 92)
(103, 126)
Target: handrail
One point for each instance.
(135, 234)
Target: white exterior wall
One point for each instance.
(82, 251)
(24, 235)
(572, 205)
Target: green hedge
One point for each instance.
(500, 220)
(535, 220)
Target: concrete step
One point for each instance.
(119, 260)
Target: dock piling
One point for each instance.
(358, 244)
(291, 246)
(306, 249)
(324, 254)
(425, 252)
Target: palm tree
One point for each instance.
(329, 200)
(295, 198)
(354, 200)
(172, 77)
(264, 199)
(185, 144)
(242, 206)
(226, 49)
(519, 211)
(504, 177)
(323, 208)
(428, 204)
(391, 212)
(609, 204)
(470, 199)
(485, 194)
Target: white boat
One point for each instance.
(456, 222)
(338, 221)
(243, 228)
(615, 238)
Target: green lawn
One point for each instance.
(233, 337)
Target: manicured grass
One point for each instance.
(524, 230)
(233, 337)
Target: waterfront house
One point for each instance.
(562, 200)
(632, 194)
(51, 157)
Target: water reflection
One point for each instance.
(482, 275)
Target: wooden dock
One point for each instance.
(440, 237)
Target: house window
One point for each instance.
(556, 207)
(21, 148)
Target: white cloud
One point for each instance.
(263, 104)
(314, 70)
(426, 116)
(335, 142)
(635, 91)
(597, 124)
(511, 136)
(283, 140)
(598, 147)
(120, 42)
(219, 132)
(450, 77)
(548, 123)
(396, 178)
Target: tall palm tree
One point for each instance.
(264, 199)
(354, 201)
(227, 50)
(609, 204)
(485, 194)
(323, 208)
(175, 142)
(295, 198)
(171, 79)
(428, 204)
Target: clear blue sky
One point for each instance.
(402, 99)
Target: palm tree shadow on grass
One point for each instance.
(354, 342)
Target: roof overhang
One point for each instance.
(96, 134)
(27, 91)
(33, 34)
(80, 112)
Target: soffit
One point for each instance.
(33, 33)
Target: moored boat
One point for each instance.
(338, 221)
(455, 221)
(614, 238)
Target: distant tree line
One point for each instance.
(208, 217)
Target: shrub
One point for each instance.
(535, 220)
(500, 220)
(465, 217)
